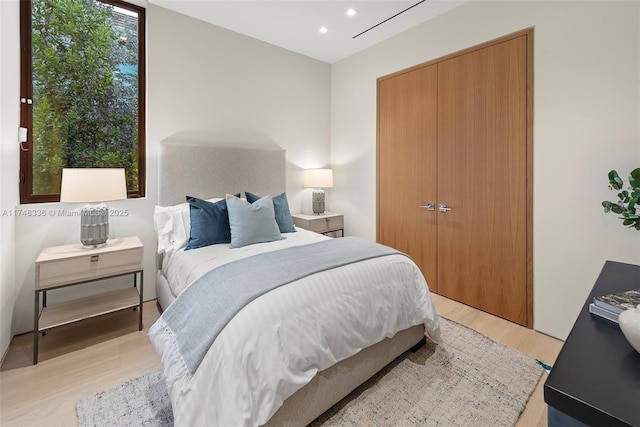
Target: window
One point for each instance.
(82, 92)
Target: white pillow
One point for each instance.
(169, 225)
(172, 224)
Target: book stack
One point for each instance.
(610, 306)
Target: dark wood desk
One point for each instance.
(596, 378)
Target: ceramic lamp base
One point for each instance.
(318, 201)
(94, 225)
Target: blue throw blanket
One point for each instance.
(196, 318)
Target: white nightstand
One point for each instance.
(70, 265)
(323, 223)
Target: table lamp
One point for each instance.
(94, 186)
(318, 179)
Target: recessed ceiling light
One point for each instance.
(351, 12)
(323, 30)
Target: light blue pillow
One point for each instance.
(281, 208)
(209, 223)
(252, 222)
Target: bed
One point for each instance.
(298, 348)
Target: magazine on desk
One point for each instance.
(603, 312)
(611, 305)
(619, 301)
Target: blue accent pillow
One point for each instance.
(209, 223)
(281, 207)
(252, 222)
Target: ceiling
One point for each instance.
(295, 24)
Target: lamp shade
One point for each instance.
(92, 185)
(318, 178)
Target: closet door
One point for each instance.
(482, 171)
(407, 155)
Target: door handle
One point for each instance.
(443, 207)
(428, 206)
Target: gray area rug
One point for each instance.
(142, 401)
(467, 380)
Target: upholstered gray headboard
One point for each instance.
(207, 170)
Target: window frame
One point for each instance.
(26, 104)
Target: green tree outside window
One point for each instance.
(85, 90)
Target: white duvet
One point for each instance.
(278, 342)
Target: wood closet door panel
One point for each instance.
(407, 142)
(482, 241)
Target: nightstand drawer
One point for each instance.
(88, 267)
(319, 223)
(77, 264)
(324, 225)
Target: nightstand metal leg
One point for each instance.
(36, 315)
(135, 281)
(140, 291)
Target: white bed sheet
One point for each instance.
(278, 342)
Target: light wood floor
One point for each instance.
(81, 359)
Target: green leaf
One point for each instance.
(634, 178)
(614, 180)
(624, 196)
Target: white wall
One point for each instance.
(586, 122)
(207, 80)
(201, 79)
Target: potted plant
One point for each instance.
(628, 202)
